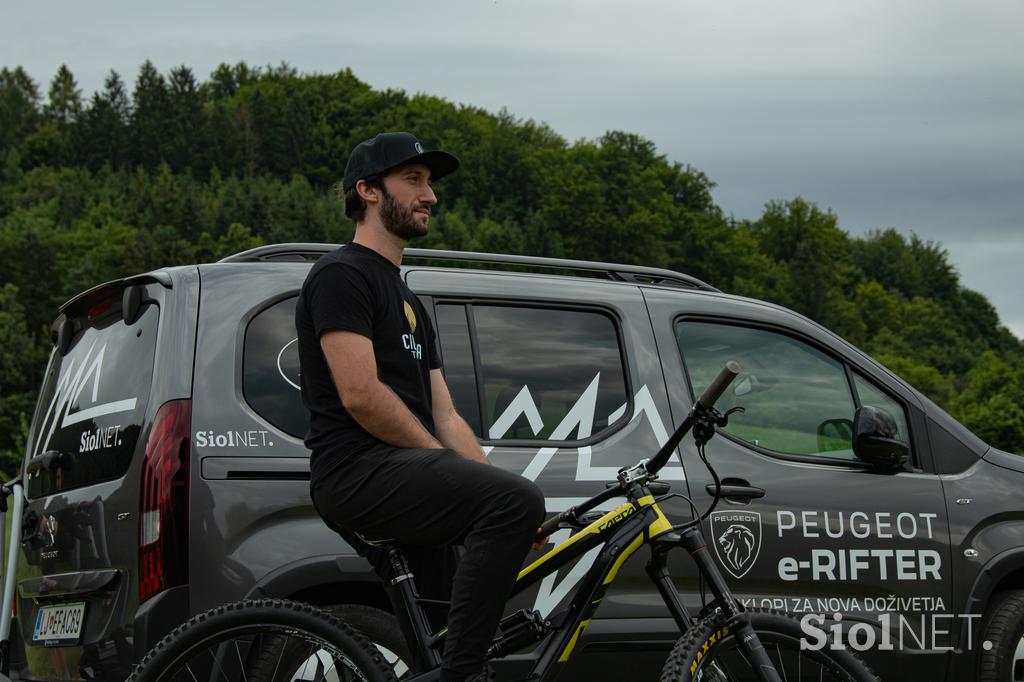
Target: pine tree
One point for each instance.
(185, 146)
(19, 107)
(104, 126)
(150, 118)
(62, 112)
(65, 99)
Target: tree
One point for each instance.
(185, 141)
(992, 403)
(19, 106)
(104, 126)
(19, 363)
(150, 118)
(62, 111)
(65, 99)
(816, 254)
(226, 80)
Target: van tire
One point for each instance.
(1004, 628)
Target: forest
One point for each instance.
(175, 170)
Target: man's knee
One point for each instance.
(527, 500)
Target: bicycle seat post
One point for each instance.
(401, 581)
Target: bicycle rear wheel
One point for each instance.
(268, 640)
(708, 652)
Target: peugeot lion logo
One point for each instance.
(737, 540)
(50, 529)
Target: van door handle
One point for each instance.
(736, 491)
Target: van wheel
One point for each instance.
(381, 628)
(1003, 661)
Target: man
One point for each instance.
(391, 457)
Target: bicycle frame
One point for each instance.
(622, 531)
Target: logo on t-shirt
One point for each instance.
(411, 316)
(408, 340)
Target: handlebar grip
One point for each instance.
(549, 526)
(713, 392)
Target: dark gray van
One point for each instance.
(166, 472)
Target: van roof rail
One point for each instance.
(624, 273)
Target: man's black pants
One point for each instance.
(428, 499)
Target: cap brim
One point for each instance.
(440, 163)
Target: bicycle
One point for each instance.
(277, 640)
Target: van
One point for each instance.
(166, 473)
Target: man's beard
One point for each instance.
(400, 220)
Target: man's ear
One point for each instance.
(368, 193)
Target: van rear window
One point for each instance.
(93, 402)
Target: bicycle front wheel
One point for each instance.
(709, 652)
(267, 640)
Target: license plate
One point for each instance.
(59, 625)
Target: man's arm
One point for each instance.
(371, 403)
(452, 429)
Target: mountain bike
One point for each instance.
(273, 640)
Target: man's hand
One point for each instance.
(539, 543)
(451, 429)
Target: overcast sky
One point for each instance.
(904, 114)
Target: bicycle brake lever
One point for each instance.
(723, 419)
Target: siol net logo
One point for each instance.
(737, 540)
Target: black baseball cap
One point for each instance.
(388, 150)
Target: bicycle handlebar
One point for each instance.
(717, 387)
(705, 402)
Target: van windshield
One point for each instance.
(92, 403)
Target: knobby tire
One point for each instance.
(244, 641)
(708, 652)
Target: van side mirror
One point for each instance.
(875, 438)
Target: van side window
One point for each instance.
(457, 359)
(798, 400)
(548, 374)
(270, 369)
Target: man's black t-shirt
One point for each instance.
(356, 289)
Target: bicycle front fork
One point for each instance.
(692, 540)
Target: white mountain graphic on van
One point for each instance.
(70, 386)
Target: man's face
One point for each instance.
(407, 201)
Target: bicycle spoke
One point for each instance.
(216, 662)
(188, 669)
(241, 663)
(277, 665)
(782, 664)
(724, 668)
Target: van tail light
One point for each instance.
(163, 505)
